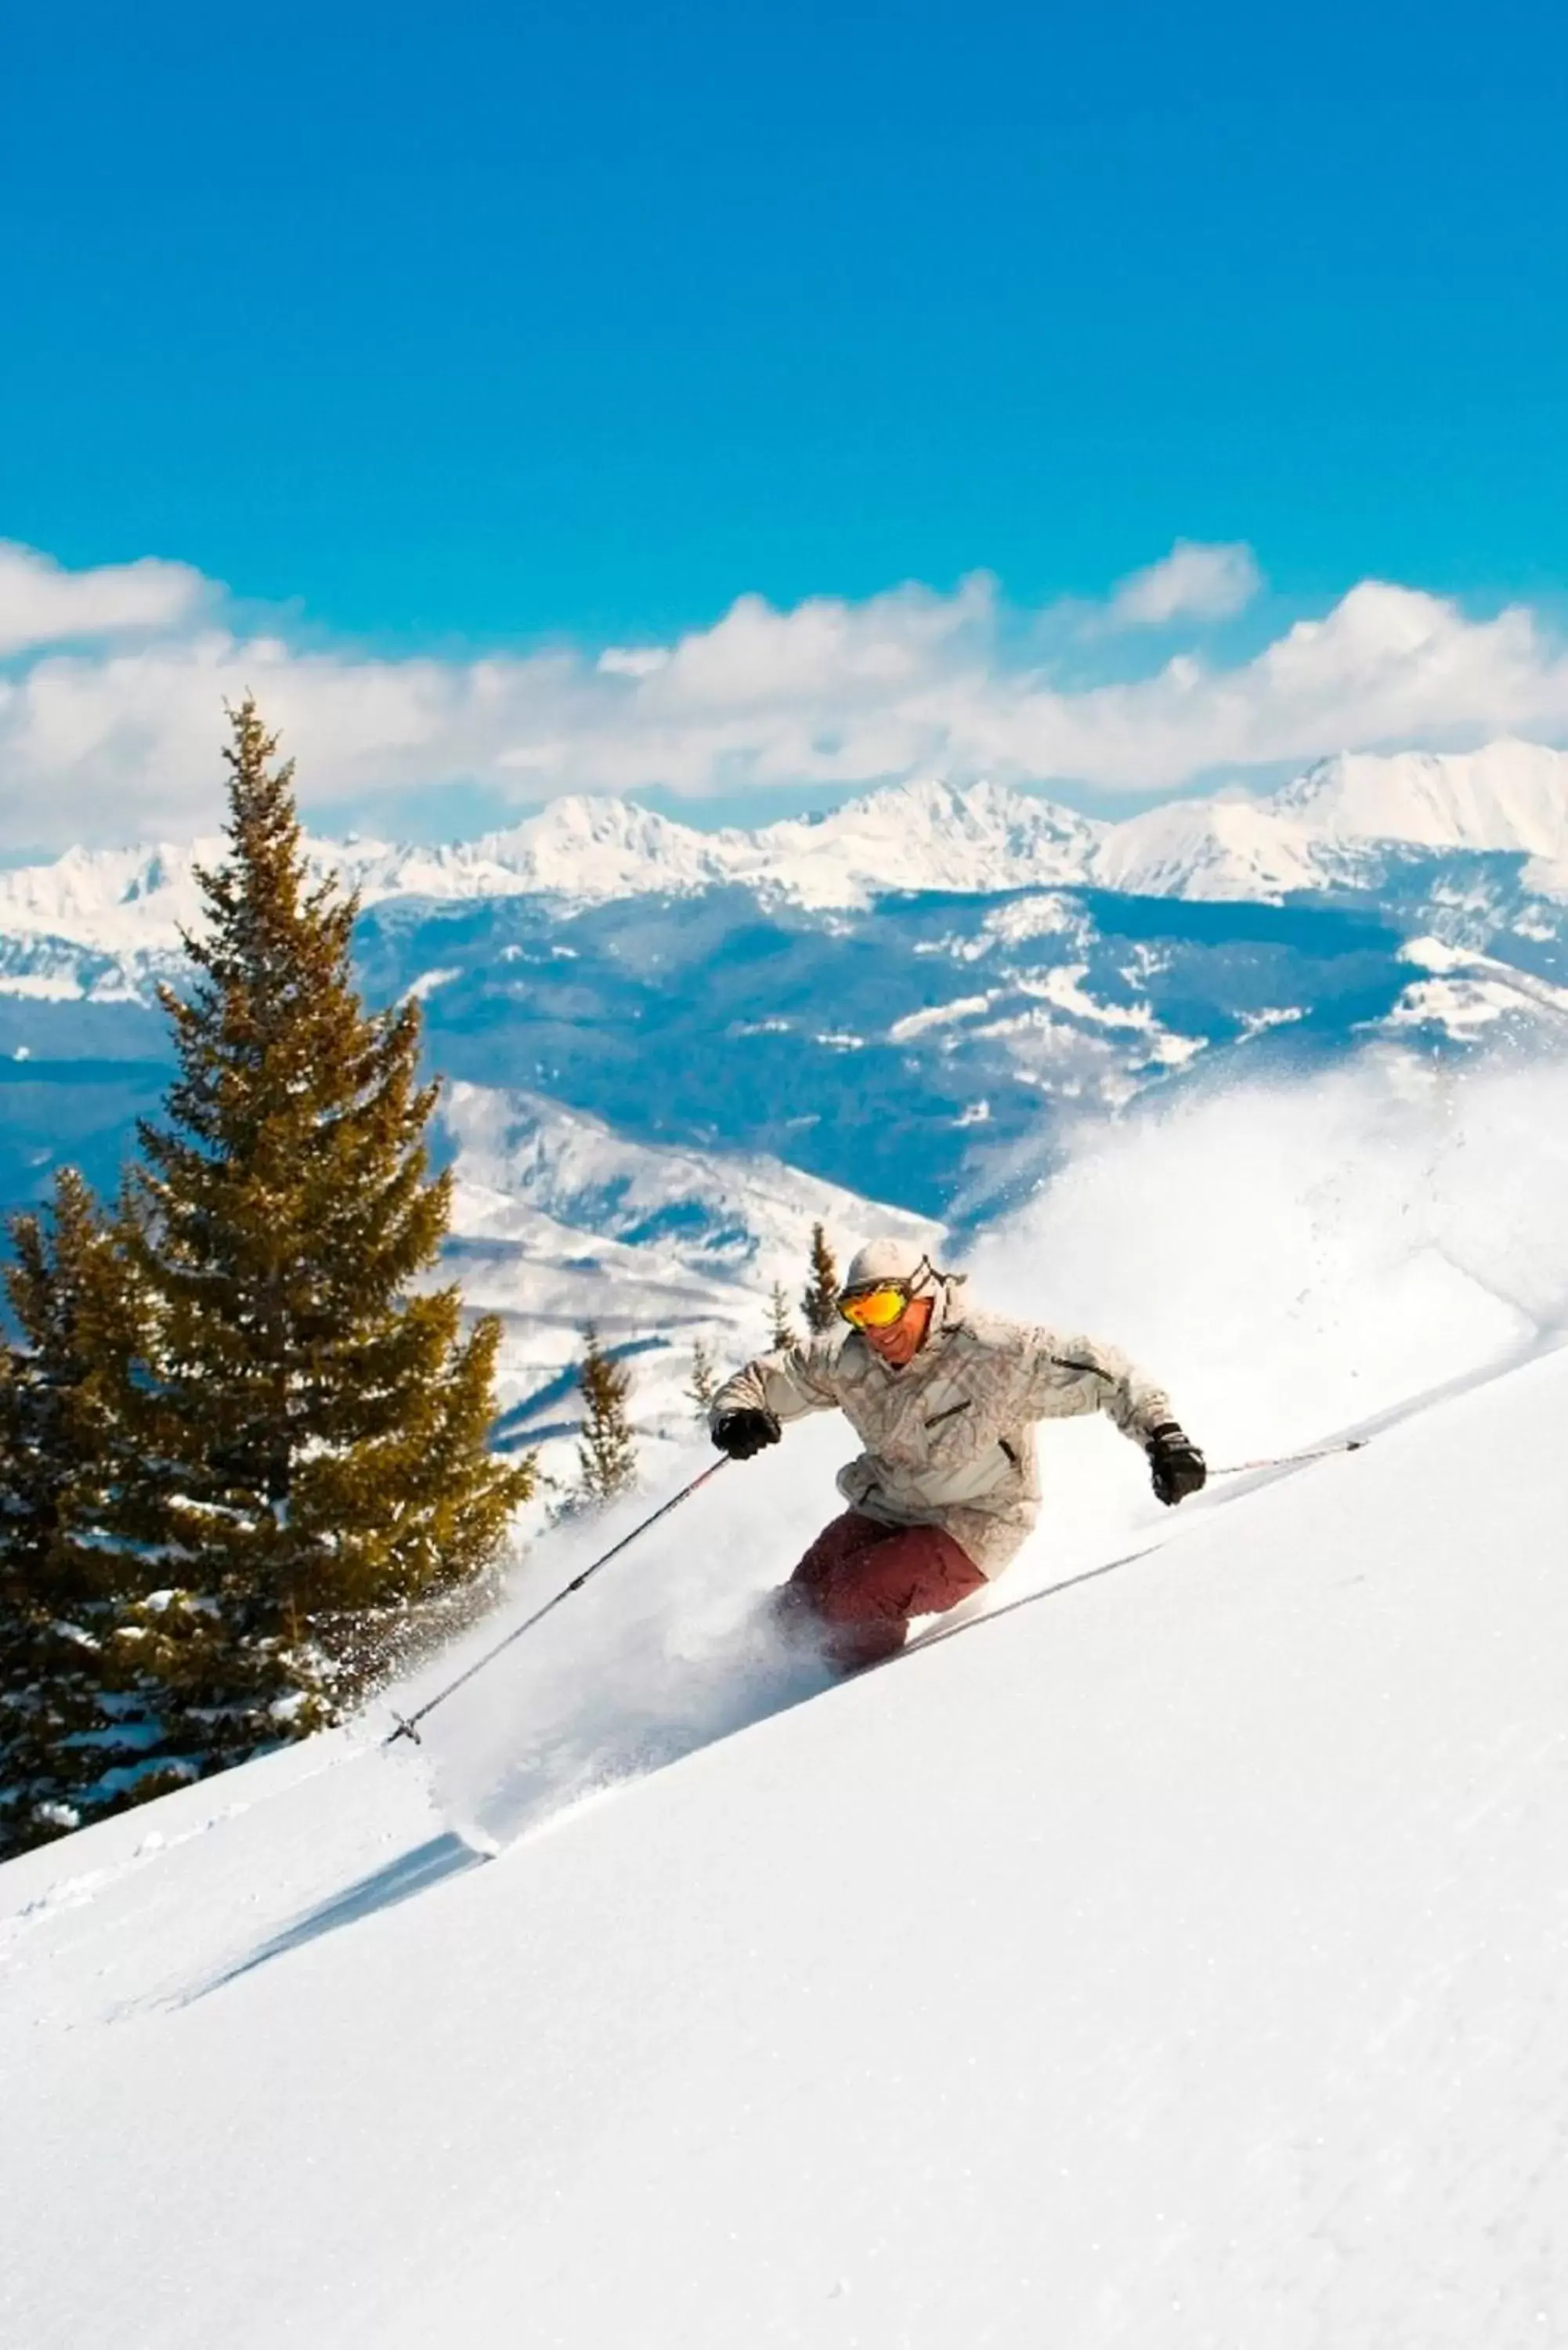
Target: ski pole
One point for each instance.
(407, 1727)
(1289, 1459)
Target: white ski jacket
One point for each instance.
(950, 1437)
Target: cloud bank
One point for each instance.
(113, 682)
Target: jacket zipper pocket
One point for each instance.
(951, 1412)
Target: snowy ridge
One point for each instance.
(723, 1215)
(109, 899)
(1215, 848)
(558, 1221)
(586, 851)
(924, 835)
(1324, 827)
(1510, 797)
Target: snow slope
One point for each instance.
(1177, 1962)
(1173, 1958)
(1510, 796)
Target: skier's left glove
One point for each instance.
(741, 1433)
(1175, 1465)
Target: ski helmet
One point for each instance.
(888, 1259)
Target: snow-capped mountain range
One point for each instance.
(668, 1053)
(1324, 829)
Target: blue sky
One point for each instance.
(500, 320)
(421, 333)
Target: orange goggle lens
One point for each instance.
(875, 1309)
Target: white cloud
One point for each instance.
(631, 660)
(1385, 665)
(42, 604)
(1193, 581)
(121, 741)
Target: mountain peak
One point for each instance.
(924, 835)
(591, 848)
(1510, 794)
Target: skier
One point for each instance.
(943, 1400)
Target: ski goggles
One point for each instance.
(877, 1308)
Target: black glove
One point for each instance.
(1175, 1465)
(741, 1433)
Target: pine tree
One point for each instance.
(607, 1455)
(819, 1304)
(317, 1423)
(704, 1384)
(781, 1333)
(81, 1727)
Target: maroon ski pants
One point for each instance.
(859, 1583)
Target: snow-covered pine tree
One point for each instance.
(781, 1333)
(319, 1420)
(81, 1727)
(607, 1453)
(704, 1384)
(819, 1304)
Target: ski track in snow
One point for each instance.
(1179, 1964)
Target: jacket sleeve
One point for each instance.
(796, 1381)
(1068, 1375)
